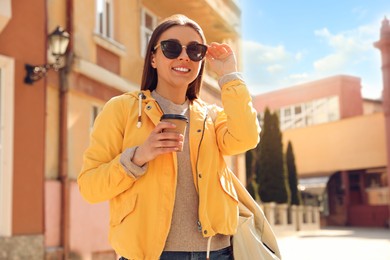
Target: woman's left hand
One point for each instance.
(221, 59)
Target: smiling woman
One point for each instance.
(171, 192)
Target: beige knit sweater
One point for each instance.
(184, 234)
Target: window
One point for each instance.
(333, 109)
(298, 110)
(95, 110)
(313, 112)
(6, 142)
(287, 112)
(148, 23)
(104, 18)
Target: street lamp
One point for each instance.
(58, 43)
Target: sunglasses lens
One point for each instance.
(172, 50)
(196, 51)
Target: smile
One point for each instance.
(181, 69)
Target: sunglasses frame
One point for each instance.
(193, 58)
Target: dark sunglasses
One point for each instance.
(172, 50)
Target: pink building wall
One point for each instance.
(89, 222)
(52, 213)
(347, 88)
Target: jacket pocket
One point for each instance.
(227, 184)
(121, 207)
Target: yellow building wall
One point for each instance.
(353, 143)
(79, 129)
(52, 133)
(56, 14)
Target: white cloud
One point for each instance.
(275, 68)
(264, 54)
(268, 67)
(298, 56)
(331, 63)
(360, 12)
(359, 39)
(302, 76)
(348, 49)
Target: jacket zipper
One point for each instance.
(197, 160)
(197, 157)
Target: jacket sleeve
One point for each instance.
(102, 176)
(237, 127)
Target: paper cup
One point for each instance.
(180, 121)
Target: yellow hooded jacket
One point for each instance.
(141, 208)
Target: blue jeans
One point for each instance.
(222, 254)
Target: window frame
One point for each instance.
(145, 32)
(94, 112)
(107, 30)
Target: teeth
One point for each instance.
(181, 69)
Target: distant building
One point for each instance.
(339, 145)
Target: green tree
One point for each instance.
(270, 174)
(250, 164)
(292, 175)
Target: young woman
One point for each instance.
(166, 204)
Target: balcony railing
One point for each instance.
(286, 219)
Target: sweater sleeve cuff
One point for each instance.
(230, 77)
(131, 168)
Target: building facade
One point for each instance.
(46, 126)
(339, 142)
(384, 47)
(22, 132)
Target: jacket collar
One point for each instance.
(150, 107)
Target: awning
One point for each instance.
(313, 185)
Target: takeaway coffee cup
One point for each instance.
(180, 121)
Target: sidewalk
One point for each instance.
(337, 243)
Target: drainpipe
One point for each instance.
(63, 137)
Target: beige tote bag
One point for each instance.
(254, 238)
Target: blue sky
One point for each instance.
(295, 41)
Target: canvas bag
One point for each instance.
(254, 238)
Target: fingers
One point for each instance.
(160, 141)
(165, 139)
(221, 59)
(163, 125)
(219, 50)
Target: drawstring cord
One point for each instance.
(208, 248)
(140, 97)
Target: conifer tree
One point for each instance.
(292, 175)
(250, 163)
(270, 174)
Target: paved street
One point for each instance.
(337, 243)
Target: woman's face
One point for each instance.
(176, 73)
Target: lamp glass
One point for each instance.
(58, 42)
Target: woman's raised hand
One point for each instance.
(221, 58)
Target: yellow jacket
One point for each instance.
(141, 209)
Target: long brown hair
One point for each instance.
(149, 75)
